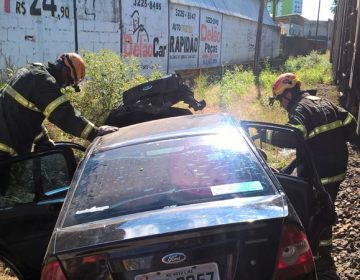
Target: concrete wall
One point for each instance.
(296, 30)
(161, 33)
(30, 31)
(98, 25)
(270, 42)
(238, 44)
(234, 49)
(310, 29)
(293, 46)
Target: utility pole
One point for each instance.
(317, 26)
(76, 28)
(274, 2)
(258, 46)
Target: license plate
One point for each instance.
(207, 271)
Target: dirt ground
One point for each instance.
(346, 236)
(346, 233)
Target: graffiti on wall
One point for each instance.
(171, 37)
(7, 6)
(89, 8)
(210, 39)
(250, 37)
(41, 8)
(138, 43)
(143, 36)
(138, 28)
(184, 36)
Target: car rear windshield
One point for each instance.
(167, 173)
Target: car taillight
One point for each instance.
(295, 257)
(52, 271)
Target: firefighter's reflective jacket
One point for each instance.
(327, 128)
(32, 95)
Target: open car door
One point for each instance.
(32, 191)
(286, 153)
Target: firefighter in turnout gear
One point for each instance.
(33, 94)
(327, 128)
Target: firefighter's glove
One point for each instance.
(106, 129)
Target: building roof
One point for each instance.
(298, 19)
(247, 9)
(293, 18)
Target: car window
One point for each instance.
(21, 182)
(278, 158)
(54, 173)
(167, 173)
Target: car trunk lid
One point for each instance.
(208, 241)
(248, 249)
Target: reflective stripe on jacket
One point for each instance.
(32, 95)
(7, 149)
(323, 128)
(327, 128)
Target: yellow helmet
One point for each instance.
(284, 82)
(76, 66)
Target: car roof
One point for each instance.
(165, 129)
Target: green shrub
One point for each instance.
(237, 94)
(293, 64)
(107, 77)
(312, 69)
(203, 89)
(235, 84)
(201, 86)
(267, 78)
(313, 76)
(237, 81)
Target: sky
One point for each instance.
(310, 9)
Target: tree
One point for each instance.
(334, 5)
(274, 4)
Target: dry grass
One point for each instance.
(245, 107)
(6, 273)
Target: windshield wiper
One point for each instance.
(164, 199)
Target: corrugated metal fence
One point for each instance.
(345, 54)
